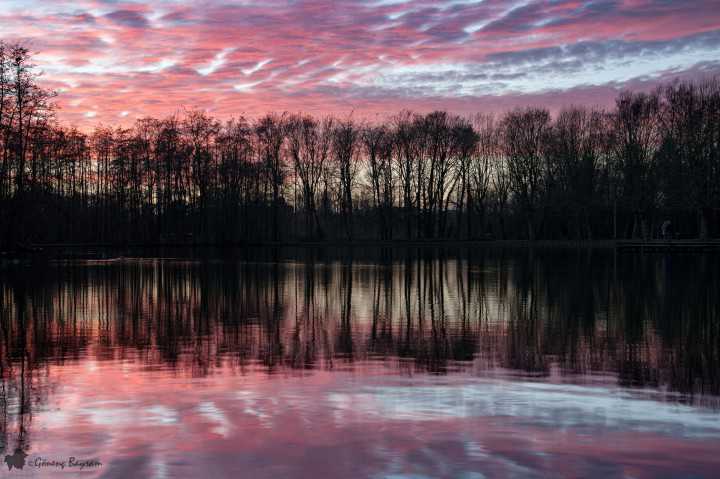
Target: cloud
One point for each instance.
(256, 67)
(217, 62)
(329, 56)
(128, 18)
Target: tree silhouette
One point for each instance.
(190, 178)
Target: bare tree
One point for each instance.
(636, 138)
(378, 145)
(688, 153)
(406, 156)
(345, 139)
(525, 134)
(575, 148)
(465, 144)
(200, 131)
(237, 174)
(270, 133)
(309, 144)
(485, 162)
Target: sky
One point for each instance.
(112, 61)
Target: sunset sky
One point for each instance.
(112, 61)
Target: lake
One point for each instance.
(398, 363)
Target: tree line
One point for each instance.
(583, 173)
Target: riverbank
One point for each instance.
(101, 251)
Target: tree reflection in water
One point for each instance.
(577, 316)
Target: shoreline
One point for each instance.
(98, 249)
(38, 247)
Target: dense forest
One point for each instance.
(583, 173)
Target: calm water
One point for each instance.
(385, 364)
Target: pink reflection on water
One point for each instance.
(165, 423)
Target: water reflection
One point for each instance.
(644, 327)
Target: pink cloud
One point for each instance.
(122, 60)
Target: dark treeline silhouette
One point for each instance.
(581, 174)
